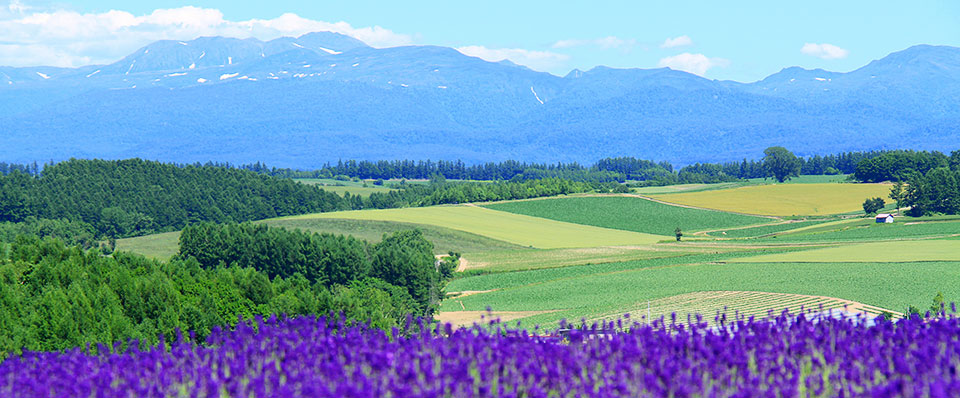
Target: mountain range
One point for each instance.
(301, 102)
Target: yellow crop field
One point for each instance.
(783, 199)
(514, 228)
(878, 252)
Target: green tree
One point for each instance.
(678, 233)
(780, 163)
(939, 305)
(406, 259)
(898, 194)
(872, 206)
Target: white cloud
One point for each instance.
(605, 43)
(68, 38)
(679, 41)
(824, 51)
(697, 64)
(536, 60)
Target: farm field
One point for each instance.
(602, 293)
(518, 260)
(757, 304)
(765, 229)
(587, 257)
(444, 239)
(627, 213)
(813, 199)
(679, 188)
(162, 246)
(896, 251)
(513, 228)
(158, 246)
(340, 187)
(804, 179)
(868, 230)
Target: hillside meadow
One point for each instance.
(627, 213)
(602, 293)
(600, 256)
(513, 228)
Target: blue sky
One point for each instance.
(735, 40)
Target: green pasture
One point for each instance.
(765, 229)
(341, 187)
(783, 199)
(162, 246)
(513, 228)
(627, 286)
(868, 230)
(518, 260)
(627, 213)
(901, 251)
(158, 246)
(740, 303)
(443, 239)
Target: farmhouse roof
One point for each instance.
(884, 215)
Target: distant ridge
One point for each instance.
(299, 102)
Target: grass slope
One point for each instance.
(162, 246)
(627, 213)
(745, 303)
(514, 228)
(600, 293)
(340, 187)
(784, 199)
(517, 260)
(765, 230)
(897, 251)
(158, 246)
(868, 230)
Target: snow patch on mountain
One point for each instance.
(535, 95)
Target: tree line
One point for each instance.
(902, 165)
(936, 191)
(618, 169)
(131, 197)
(56, 296)
(82, 201)
(404, 259)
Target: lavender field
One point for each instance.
(785, 356)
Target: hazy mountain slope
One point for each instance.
(299, 102)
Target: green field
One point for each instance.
(892, 286)
(896, 251)
(741, 303)
(163, 246)
(783, 199)
(627, 213)
(340, 187)
(513, 228)
(765, 229)
(868, 230)
(518, 260)
(158, 246)
(597, 257)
